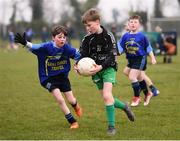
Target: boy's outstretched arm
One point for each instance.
(22, 40)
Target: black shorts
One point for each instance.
(59, 81)
(138, 63)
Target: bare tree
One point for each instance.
(12, 19)
(14, 11)
(115, 14)
(89, 4)
(178, 2)
(79, 9)
(157, 9)
(37, 9)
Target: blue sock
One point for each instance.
(143, 86)
(136, 88)
(70, 118)
(154, 90)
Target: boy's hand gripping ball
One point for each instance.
(85, 65)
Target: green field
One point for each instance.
(29, 112)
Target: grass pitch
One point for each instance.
(29, 112)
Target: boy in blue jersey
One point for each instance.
(54, 66)
(137, 47)
(99, 44)
(149, 82)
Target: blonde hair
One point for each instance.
(90, 15)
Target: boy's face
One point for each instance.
(59, 39)
(134, 24)
(92, 26)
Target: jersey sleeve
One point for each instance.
(37, 46)
(121, 44)
(149, 49)
(112, 54)
(77, 55)
(147, 45)
(42, 47)
(84, 48)
(72, 52)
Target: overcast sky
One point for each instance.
(171, 9)
(106, 6)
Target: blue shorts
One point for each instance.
(138, 63)
(59, 81)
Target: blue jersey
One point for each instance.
(134, 45)
(53, 60)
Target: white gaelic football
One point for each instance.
(85, 65)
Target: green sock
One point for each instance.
(110, 115)
(119, 104)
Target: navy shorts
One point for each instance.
(59, 81)
(138, 63)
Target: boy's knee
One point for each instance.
(108, 99)
(132, 78)
(125, 72)
(61, 101)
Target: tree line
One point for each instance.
(38, 18)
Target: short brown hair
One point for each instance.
(137, 17)
(58, 29)
(90, 15)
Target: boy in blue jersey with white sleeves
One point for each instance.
(54, 66)
(137, 47)
(148, 80)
